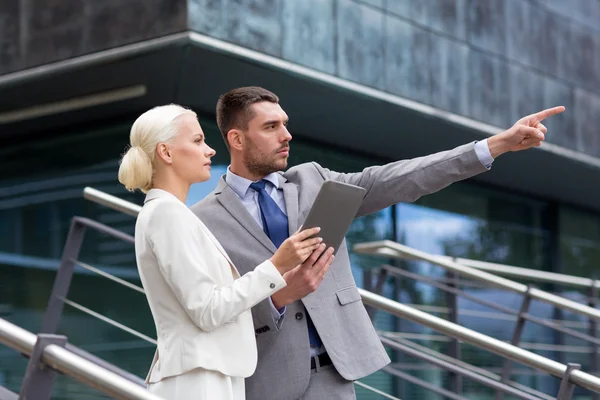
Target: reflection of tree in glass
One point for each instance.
(579, 258)
(500, 243)
(483, 242)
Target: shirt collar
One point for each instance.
(240, 185)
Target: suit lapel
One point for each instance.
(290, 194)
(232, 203)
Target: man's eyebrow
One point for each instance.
(271, 122)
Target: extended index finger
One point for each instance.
(541, 115)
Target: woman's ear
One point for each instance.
(162, 151)
(235, 138)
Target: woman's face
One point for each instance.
(189, 151)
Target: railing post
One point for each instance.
(454, 350)
(593, 331)
(516, 338)
(38, 380)
(565, 392)
(63, 278)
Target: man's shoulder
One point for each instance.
(205, 204)
(302, 171)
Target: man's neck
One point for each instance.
(243, 172)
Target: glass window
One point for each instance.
(579, 243)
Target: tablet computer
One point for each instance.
(334, 210)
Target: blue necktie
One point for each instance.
(275, 225)
(275, 222)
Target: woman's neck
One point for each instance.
(174, 186)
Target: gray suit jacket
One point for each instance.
(336, 308)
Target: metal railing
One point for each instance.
(387, 248)
(450, 285)
(111, 201)
(49, 351)
(568, 373)
(477, 339)
(527, 273)
(511, 352)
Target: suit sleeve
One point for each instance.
(179, 246)
(408, 180)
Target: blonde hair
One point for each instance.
(157, 125)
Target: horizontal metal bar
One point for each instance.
(563, 329)
(104, 229)
(375, 390)
(525, 345)
(525, 273)
(71, 364)
(449, 366)
(109, 321)
(111, 201)
(105, 364)
(16, 337)
(488, 372)
(477, 339)
(422, 383)
(109, 276)
(93, 375)
(495, 306)
(395, 271)
(493, 315)
(388, 248)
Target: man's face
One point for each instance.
(267, 140)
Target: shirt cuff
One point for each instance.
(483, 153)
(277, 314)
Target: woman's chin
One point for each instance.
(203, 178)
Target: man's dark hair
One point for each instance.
(233, 107)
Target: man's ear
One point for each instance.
(162, 151)
(236, 139)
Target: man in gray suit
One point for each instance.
(314, 336)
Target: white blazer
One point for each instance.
(199, 302)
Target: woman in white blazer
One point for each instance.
(199, 302)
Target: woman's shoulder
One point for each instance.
(165, 211)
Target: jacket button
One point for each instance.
(272, 286)
(299, 316)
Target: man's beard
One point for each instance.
(261, 164)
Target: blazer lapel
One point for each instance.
(232, 203)
(290, 194)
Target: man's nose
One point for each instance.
(287, 136)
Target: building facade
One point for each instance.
(364, 82)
